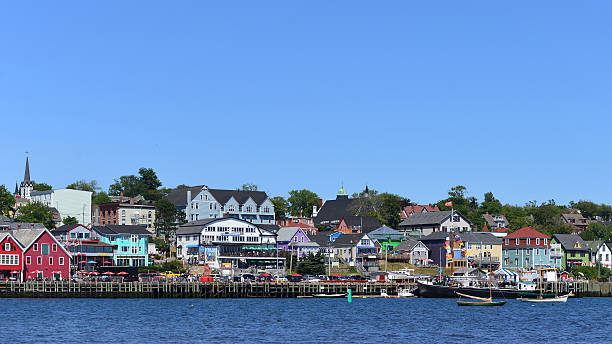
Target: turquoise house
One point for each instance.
(132, 243)
(528, 249)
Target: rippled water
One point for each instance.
(300, 321)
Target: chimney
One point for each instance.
(131, 200)
(121, 197)
(188, 207)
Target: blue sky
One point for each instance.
(411, 98)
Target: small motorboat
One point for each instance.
(329, 295)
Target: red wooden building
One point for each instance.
(11, 257)
(42, 255)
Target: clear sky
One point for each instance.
(409, 97)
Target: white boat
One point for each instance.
(562, 298)
(404, 293)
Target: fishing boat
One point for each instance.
(329, 295)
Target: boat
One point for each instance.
(562, 298)
(481, 301)
(329, 295)
(405, 292)
(540, 298)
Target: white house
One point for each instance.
(604, 254)
(252, 206)
(436, 221)
(68, 202)
(234, 242)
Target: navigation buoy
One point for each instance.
(350, 296)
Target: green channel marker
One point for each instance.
(350, 296)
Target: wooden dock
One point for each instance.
(65, 289)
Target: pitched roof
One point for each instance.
(345, 240)
(385, 232)
(268, 227)
(334, 210)
(368, 223)
(285, 234)
(64, 228)
(418, 208)
(195, 227)
(568, 241)
(471, 237)
(322, 238)
(12, 225)
(222, 196)
(406, 245)
(178, 197)
(490, 218)
(121, 229)
(526, 232)
(431, 218)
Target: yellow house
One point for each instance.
(483, 249)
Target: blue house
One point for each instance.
(132, 243)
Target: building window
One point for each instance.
(507, 242)
(123, 212)
(39, 260)
(528, 241)
(50, 260)
(7, 247)
(35, 247)
(28, 260)
(61, 260)
(545, 241)
(516, 241)
(54, 248)
(44, 249)
(537, 241)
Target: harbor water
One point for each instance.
(301, 321)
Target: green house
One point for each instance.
(388, 238)
(574, 250)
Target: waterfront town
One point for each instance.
(199, 233)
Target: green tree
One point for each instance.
(36, 213)
(7, 201)
(100, 197)
(490, 204)
(248, 187)
(146, 184)
(281, 206)
(301, 202)
(312, 265)
(597, 231)
(161, 245)
(70, 220)
(467, 206)
(83, 185)
(42, 187)
(390, 208)
(167, 218)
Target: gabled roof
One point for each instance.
(222, 196)
(490, 218)
(268, 227)
(369, 222)
(385, 232)
(431, 218)
(5, 234)
(526, 232)
(12, 225)
(27, 237)
(121, 229)
(334, 209)
(569, 241)
(406, 245)
(418, 208)
(178, 197)
(285, 234)
(347, 240)
(322, 238)
(66, 228)
(469, 237)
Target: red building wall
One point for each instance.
(45, 265)
(15, 250)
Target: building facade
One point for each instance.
(528, 249)
(131, 242)
(252, 206)
(574, 250)
(124, 212)
(438, 221)
(228, 244)
(68, 202)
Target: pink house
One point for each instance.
(43, 255)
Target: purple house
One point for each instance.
(293, 239)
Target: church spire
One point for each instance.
(26, 177)
(16, 189)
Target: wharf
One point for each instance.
(68, 289)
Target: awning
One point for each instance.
(505, 274)
(192, 246)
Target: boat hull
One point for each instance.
(329, 296)
(481, 303)
(440, 291)
(552, 299)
